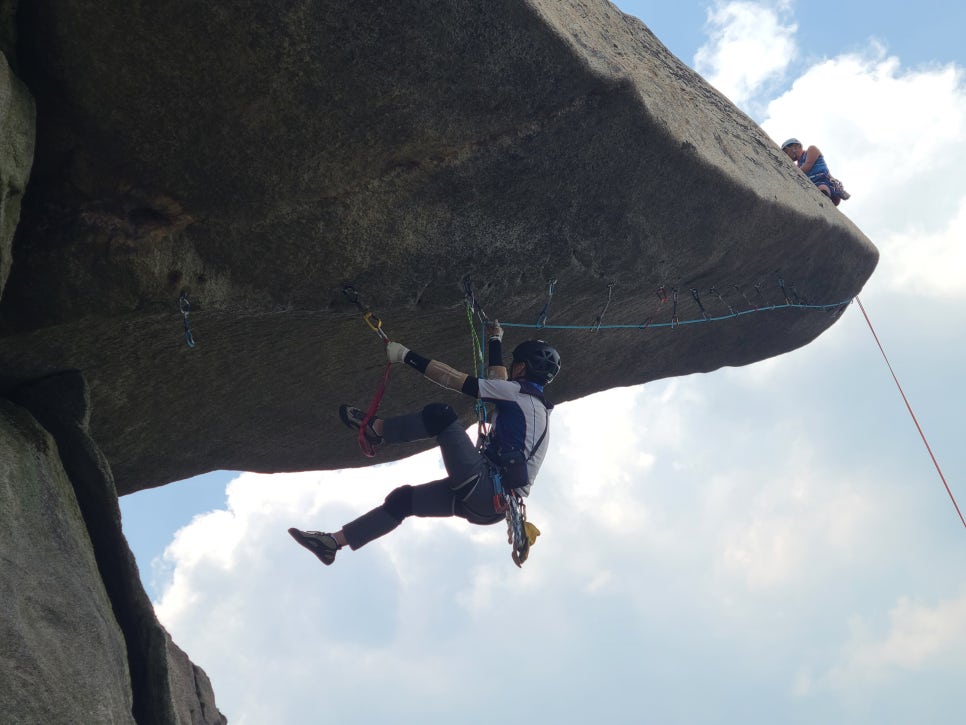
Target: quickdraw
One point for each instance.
(697, 298)
(542, 317)
(368, 315)
(471, 302)
(185, 307)
(516, 528)
(781, 286)
(761, 295)
(600, 315)
(795, 298)
(479, 364)
(716, 293)
(375, 324)
(741, 291)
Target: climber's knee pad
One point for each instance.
(399, 503)
(437, 416)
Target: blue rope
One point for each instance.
(677, 323)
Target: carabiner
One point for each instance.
(376, 326)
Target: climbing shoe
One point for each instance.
(353, 417)
(320, 544)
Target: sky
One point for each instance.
(764, 544)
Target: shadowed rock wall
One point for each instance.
(256, 156)
(80, 641)
(62, 654)
(17, 120)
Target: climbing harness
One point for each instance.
(185, 307)
(375, 324)
(511, 461)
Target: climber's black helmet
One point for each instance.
(541, 359)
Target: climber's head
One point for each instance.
(792, 148)
(541, 361)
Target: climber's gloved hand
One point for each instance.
(493, 330)
(395, 352)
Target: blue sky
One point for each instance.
(757, 545)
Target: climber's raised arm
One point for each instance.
(448, 377)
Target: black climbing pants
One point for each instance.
(467, 491)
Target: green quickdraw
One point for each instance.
(509, 503)
(473, 307)
(479, 364)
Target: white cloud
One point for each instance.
(928, 262)
(919, 637)
(749, 47)
(888, 134)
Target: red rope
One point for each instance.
(364, 444)
(909, 408)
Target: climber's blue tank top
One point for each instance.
(819, 171)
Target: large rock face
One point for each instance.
(62, 657)
(256, 156)
(16, 155)
(79, 641)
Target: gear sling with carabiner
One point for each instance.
(508, 467)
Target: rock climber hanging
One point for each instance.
(480, 480)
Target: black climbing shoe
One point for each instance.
(353, 418)
(320, 544)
